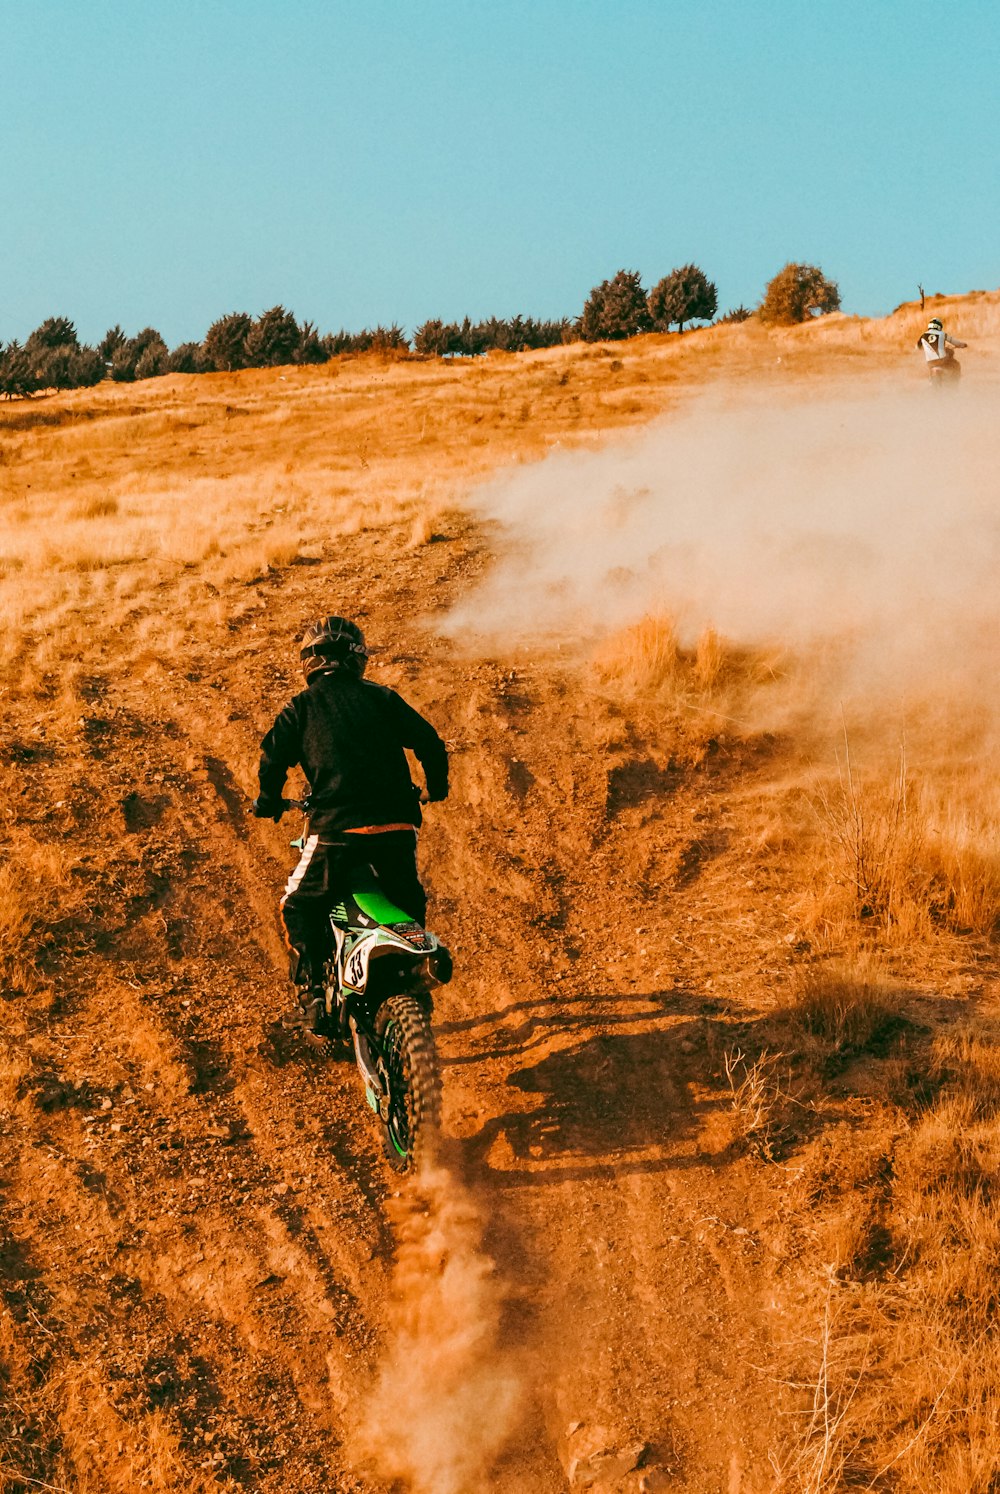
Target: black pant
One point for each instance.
(321, 879)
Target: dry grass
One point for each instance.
(902, 858)
(758, 1093)
(714, 681)
(845, 1006)
(905, 1390)
(145, 530)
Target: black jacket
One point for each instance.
(348, 736)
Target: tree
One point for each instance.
(55, 359)
(311, 349)
(432, 337)
(113, 339)
(273, 339)
(55, 332)
(188, 358)
(685, 295)
(387, 340)
(86, 367)
(153, 361)
(796, 292)
(226, 342)
(17, 380)
(143, 356)
(616, 308)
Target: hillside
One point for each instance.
(721, 1052)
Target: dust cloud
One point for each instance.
(863, 513)
(448, 1395)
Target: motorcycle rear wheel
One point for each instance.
(404, 1034)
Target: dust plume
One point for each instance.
(448, 1395)
(866, 513)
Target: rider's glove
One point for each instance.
(268, 809)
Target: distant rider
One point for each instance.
(348, 735)
(937, 346)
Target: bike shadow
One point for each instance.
(615, 1101)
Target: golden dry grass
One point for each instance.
(907, 1388)
(147, 530)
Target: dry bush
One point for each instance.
(105, 1453)
(709, 660)
(757, 1097)
(645, 656)
(847, 1007)
(902, 858)
(962, 860)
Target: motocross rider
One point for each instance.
(936, 346)
(348, 735)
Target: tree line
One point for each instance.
(54, 358)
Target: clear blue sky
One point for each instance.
(165, 161)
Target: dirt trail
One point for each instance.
(199, 1211)
(200, 1243)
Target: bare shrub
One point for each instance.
(757, 1097)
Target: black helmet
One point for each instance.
(334, 643)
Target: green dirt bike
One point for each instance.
(377, 994)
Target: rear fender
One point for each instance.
(371, 946)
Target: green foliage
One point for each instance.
(113, 339)
(153, 361)
(55, 332)
(615, 309)
(738, 314)
(431, 337)
(144, 356)
(685, 295)
(52, 358)
(226, 342)
(188, 358)
(311, 349)
(388, 339)
(88, 367)
(274, 339)
(469, 339)
(797, 292)
(17, 380)
(371, 340)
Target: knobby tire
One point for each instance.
(403, 1029)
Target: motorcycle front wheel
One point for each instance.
(406, 1042)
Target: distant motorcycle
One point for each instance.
(377, 997)
(945, 373)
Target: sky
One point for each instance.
(393, 160)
